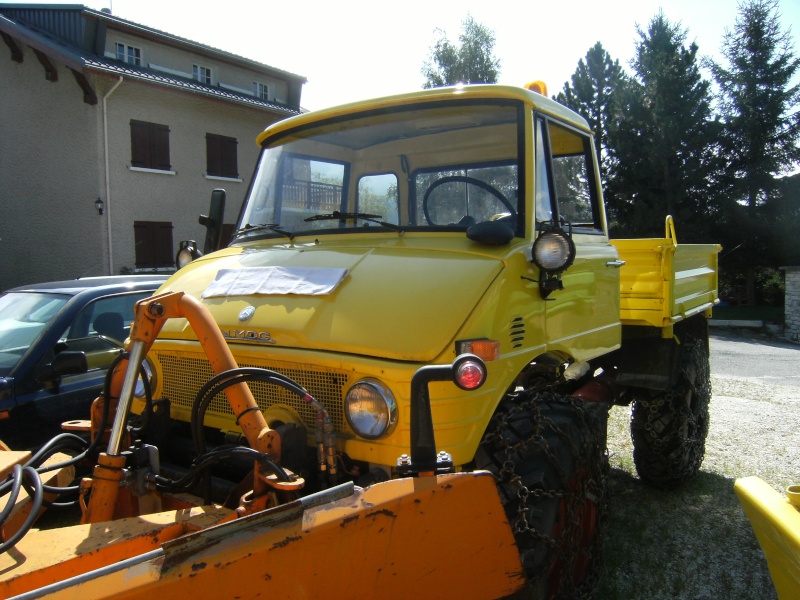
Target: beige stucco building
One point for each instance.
(101, 115)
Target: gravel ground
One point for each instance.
(695, 541)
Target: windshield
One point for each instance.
(23, 316)
(439, 167)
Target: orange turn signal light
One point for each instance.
(483, 348)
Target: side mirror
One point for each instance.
(66, 362)
(492, 233)
(213, 221)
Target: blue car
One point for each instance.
(57, 341)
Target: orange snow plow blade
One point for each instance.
(439, 537)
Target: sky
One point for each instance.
(352, 50)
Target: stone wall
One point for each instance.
(792, 306)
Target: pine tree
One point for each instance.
(760, 142)
(591, 95)
(662, 139)
(758, 102)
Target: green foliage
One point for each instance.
(783, 216)
(768, 314)
(469, 61)
(591, 95)
(758, 103)
(768, 286)
(667, 146)
(662, 139)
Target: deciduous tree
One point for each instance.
(469, 61)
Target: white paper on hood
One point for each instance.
(301, 281)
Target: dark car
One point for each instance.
(57, 341)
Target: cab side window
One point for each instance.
(565, 171)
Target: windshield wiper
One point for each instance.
(269, 226)
(341, 216)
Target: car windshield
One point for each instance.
(23, 316)
(436, 167)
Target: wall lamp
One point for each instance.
(99, 205)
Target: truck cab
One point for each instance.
(385, 235)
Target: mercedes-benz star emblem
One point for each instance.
(247, 313)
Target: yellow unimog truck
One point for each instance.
(406, 357)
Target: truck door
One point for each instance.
(582, 318)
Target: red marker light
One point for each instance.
(470, 375)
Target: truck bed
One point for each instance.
(663, 282)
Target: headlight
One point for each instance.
(138, 388)
(187, 253)
(553, 251)
(370, 409)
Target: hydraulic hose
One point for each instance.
(33, 469)
(226, 379)
(186, 482)
(37, 496)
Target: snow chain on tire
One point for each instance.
(548, 454)
(669, 428)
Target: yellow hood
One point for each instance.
(386, 293)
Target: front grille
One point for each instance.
(185, 375)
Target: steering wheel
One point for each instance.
(464, 179)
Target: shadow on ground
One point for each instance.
(690, 542)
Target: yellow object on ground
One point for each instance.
(777, 527)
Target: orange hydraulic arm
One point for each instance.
(151, 314)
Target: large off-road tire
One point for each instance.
(669, 428)
(548, 454)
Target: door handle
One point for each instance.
(615, 263)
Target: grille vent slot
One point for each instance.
(517, 332)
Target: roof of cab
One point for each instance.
(462, 92)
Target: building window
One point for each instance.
(129, 54)
(201, 74)
(260, 90)
(221, 156)
(153, 241)
(149, 145)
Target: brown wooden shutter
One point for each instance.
(213, 155)
(161, 147)
(221, 157)
(230, 166)
(150, 145)
(140, 144)
(153, 241)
